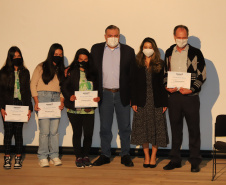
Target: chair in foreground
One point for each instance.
(219, 145)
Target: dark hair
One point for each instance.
(182, 27)
(156, 61)
(111, 27)
(7, 71)
(8, 66)
(75, 63)
(49, 69)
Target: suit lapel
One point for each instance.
(122, 56)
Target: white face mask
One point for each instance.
(181, 42)
(148, 52)
(112, 41)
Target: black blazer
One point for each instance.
(139, 88)
(7, 91)
(127, 57)
(71, 84)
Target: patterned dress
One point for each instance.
(149, 123)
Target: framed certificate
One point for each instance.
(85, 99)
(16, 113)
(178, 79)
(49, 110)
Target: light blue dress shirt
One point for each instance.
(111, 67)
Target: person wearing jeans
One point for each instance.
(45, 87)
(112, 63)
(48, 136)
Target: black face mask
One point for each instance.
(84, 64)
(17, 61)
(57, 59)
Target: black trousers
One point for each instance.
(181, 106)
(13, 129)
(85, 123)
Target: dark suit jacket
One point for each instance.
(71, 84)
(127, 58)
(139, 88)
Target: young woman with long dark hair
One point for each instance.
(45, 87)
(149, 101)
(79, 78)
(14, 90)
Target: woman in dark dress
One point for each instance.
(149, 101)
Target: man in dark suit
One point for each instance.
(112, 64)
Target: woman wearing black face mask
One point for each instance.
(14, 90)
(45, 87)
(79, 78)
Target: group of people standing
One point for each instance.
(123, 80)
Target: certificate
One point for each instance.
(16, 113)
(85, 99)
(49, 110)
(179, 79)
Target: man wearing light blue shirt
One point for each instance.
(112, 63)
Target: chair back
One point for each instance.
(220, 126)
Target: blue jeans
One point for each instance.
(48, 135)
(110, 102)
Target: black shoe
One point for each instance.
(126, 160)
(86, 162)
(101, 160)
(7, 162)
(18, 162)
(171, 165)
(79, 163)
(195, 168)
(153, 165)
(146, 165)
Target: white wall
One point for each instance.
(34, 25)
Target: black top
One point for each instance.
(127, 57)
(7, 82)
(71, 84)
(139, 88)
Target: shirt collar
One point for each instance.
(185, 49)
(106, 46)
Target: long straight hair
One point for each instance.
(8, 68)
(49, 69)
(75, 63)
(156, 63)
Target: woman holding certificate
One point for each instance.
(79, 78)
(14, 90)
(149, 101)
(45, 88)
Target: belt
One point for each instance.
(112, 90)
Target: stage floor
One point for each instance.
(113, 173)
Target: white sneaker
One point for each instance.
(56, 161)
(44, 163)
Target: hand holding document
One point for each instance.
(15, 113)
(178, 79)
(85, 99)
(49, 110)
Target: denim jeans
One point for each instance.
(110, 102)
(48, 135)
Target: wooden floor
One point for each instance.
(113, 173)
